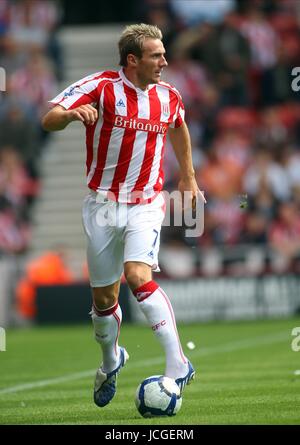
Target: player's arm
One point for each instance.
(181, 143)
(58, 117)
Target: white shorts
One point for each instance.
(117, 233)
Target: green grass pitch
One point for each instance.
(245, 374)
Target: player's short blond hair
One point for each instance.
(132, 40)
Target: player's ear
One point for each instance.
(131, 60)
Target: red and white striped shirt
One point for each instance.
(125, 146)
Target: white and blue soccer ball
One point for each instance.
(158, 396)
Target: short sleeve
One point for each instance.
(179, 114)
(83, 92)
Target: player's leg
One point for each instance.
(104, 255)
(158, 311)
(140, 257)
(107, 317)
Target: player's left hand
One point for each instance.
(190, 192)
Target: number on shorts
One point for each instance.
(155, 239)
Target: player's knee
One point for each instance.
(136, 274)
(104, 298)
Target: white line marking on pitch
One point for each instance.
(232, 346)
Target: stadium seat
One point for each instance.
(236, 118)
(284, 23)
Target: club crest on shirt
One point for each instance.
(165, 108)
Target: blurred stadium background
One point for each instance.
(232, 61)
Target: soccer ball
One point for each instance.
(158, 396)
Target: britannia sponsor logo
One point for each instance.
(141, 125)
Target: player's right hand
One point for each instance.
(87, 114)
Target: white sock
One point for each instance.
(158, 311)
(107, 329)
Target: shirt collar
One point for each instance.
(130, 84)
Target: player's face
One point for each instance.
(150, 66)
